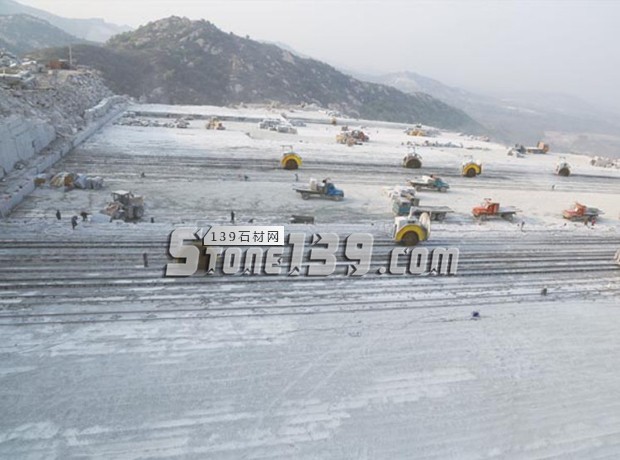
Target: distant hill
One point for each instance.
(21, 33)
(96, 30)
(179, 61)
(569, 123)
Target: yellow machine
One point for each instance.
(410, 230)
(290, 160)
(471, 167)
(416, 132)
(214, 123)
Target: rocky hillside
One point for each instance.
(96, 30)
(20, 33)
(179, 61)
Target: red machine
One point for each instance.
(490, 208)
(581, 212)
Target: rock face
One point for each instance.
(179, 61)
(59, 105)
(22, 138)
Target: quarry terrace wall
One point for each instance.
(35, 144)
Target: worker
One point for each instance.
(58, 216)
(232, 217)
(84, 215)
(74, 222)
(145, 259)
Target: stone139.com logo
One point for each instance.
(266, 250)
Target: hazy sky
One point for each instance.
(566, 46)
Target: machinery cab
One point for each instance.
(471, 167)
(328, 188)
(411, 230)
(412, 160)
(438, 183)
(290, 160)
(578, 210)
(562, 168)
(486, 207)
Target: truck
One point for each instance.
(541, 147)
(490, 208)
(401, 205)
(580, 212)
(436, 213)
(324, 189)
(431, 182)
(410, 230)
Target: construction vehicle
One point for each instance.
(412, 160)
(490, 208)
(416, 131)
(215, 123)
(125, 205)
(410, 230)
(360, 135)
(541, 147)
(346, 138)
(471, 167)
(354, 137)
(518, 151)
(402, 204)
(431, 182)
(290, 160)
(324, 189)
(562, 168)
(582, 213)
(437, 213)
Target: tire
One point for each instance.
(138, 212)
(440, 217)
(305, 196)
(564, 172)
(443, 189)
(471, 172)
(291, 164)
(410, 239)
